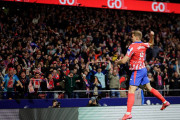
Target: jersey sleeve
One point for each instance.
(130, 51)
(147, 45)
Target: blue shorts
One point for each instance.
(139, 77)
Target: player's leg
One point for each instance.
(130, 102)
(158, 95)
(146, 82)
(131, 98)
(134, 82)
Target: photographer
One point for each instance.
(56, 104)
(94, 101)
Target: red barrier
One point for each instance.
(115, 4)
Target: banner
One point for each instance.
(74, 102)
(136, 5)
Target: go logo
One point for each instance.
(114, 4)
(158, 6)
(64, 2)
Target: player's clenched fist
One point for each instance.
(152, 33)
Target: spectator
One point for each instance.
(166, 81)
(122, 82)
(101, 76)
(151, 79)
(171, 70)
(70, 83)
(96, 85)
(78, 84)
(85, 86)
(50, 85)
(59, 84)
(177, 67)
(174, 83)
(35, 82)
(8, 83)
(36, 19)
(55, 75)
(65, 70)
(159, 80)
(18, 70)
(114, 83)
(152, 82)
(1, 79)
(23, 92)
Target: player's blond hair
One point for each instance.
(137, 33)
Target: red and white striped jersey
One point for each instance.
(137, 54)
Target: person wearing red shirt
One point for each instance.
(65, 70)
(35, 84)
(136, 54)
(55, 75)
(50, 85)
(122, 82)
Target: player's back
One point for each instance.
(137, 52)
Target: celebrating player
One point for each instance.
(136, 53)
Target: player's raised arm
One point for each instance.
(151, 41)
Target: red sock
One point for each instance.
(157, 94)
(130, 101)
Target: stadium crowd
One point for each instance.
(54, 48)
